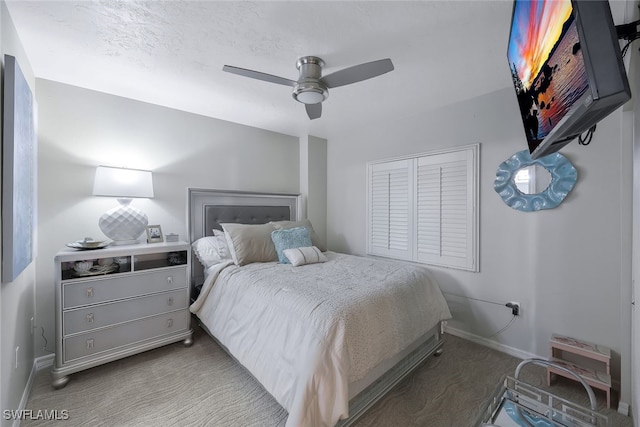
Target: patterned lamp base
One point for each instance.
(123, 224)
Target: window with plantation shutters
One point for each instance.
(424, 208)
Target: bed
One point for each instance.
(326, 337)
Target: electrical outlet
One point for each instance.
(515, 307)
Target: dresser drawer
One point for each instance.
(125, 334)
(98, 316)
(109, 288)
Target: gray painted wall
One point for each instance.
(80, 129)
(17, 297)
(313, 182)
(568, 267)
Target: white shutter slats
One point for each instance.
(424, 208)
(429, 212)
(398, 209)
(389, 209)
(447, 198)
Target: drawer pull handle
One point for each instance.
(169, 323)
(90, 317)
(169, 301)
(89, 343)
(170, 279)
(89, 292)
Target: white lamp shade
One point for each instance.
(123, 183)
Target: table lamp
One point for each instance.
(123, 224)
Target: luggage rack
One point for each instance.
(517, 403)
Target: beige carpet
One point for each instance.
(202, 386)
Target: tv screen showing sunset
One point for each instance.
(547, 66)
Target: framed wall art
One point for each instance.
(19, 168)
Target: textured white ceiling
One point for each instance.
(171, 53)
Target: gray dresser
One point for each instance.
(118, 301)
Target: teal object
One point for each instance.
(525, 419)
(563, 179)
(290, 238)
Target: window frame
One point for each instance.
(467, 256)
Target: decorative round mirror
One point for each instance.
(531, 185)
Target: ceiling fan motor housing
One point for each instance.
(309, 88)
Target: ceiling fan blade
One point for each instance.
(314, 110)
(358, 73)
(258, 75)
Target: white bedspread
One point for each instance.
(306, 332)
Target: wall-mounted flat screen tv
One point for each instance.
(566, 67)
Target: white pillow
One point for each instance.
(207, 251)
(305, 255)
(223, 247)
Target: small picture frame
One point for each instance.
(154, 234)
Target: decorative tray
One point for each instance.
(88, 245)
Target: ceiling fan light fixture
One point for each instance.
(310, 93)
(312, 88)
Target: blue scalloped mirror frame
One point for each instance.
(563, 179)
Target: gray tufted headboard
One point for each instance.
(207, 209)
(242, 214)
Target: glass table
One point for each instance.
(516, 403)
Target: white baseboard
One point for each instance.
(25, 393)
(39, 363)
(44, 362)
(511, 351)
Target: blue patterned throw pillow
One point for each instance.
(297, 237)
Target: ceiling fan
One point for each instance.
(312, 88)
